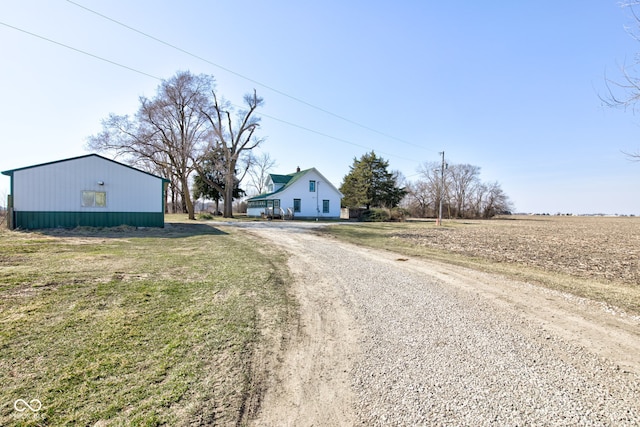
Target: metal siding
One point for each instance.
(58, 187)
(35, 220)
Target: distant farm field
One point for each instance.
(594, 257)
(137, 327)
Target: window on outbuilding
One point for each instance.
(325, 206)
(94, 199)
(312, 186)
(296, 205)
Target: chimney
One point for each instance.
(298, 169)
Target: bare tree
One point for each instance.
(477, 199)
(496, 201)
(432, 176)
(230, 140)
(181, 126)
(422, 195)
(258, 171)
(421, 199)
(166, 131)
(464, 195)
(625, 93)
(462, 179)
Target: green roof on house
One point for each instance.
(280, 179)
(287, 180)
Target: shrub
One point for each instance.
(398, 214)
(383, 214)
(375, 215)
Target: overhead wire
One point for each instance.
(323, 134)
(280, 92)
(81, 51)
(331, 136)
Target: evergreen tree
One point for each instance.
(370, 184)
(213, 173)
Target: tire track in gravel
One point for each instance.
(385, 342)
(312, 386)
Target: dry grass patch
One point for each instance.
(595, 257)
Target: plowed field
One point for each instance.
(600, 248)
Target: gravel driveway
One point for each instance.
(386, 340)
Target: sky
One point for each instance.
(512, 87)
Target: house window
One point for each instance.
(94, 199)
(257, 204)
(325, 206)
(296, 205)
(312, 186)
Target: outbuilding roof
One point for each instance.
(11, 171)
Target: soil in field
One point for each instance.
(599, 248)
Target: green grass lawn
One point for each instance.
(136, 327)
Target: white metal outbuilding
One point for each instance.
(88, 190)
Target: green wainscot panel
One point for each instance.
(34, 220)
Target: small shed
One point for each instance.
(89, 191)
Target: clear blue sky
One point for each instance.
(511, 87)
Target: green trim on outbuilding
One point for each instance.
(35, 220)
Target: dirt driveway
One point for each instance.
(387, 340)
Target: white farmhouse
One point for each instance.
(88, 190)
(303, 194)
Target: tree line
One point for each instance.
(463, 193)
(187, 127)
(369, 184)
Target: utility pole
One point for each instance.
(439, 222)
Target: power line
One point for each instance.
(160, 79)
(331, 136)
(81, 51)
(280, 92)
